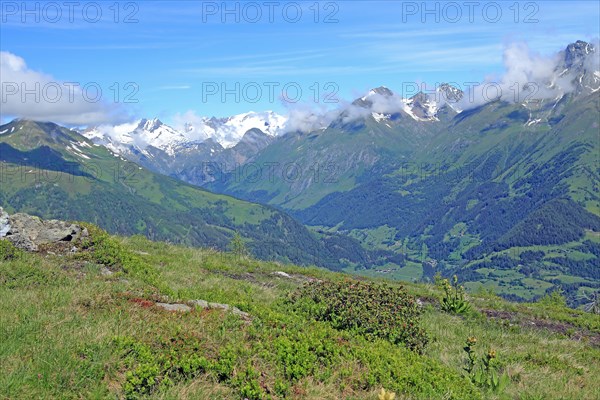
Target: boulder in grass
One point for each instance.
(28, 232)
(4, 225)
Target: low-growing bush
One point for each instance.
(104, 249)
(8, 251)
(368, 309)
(29, 274)
(150, 370)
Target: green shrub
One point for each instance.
(368, 309)
(8, 251)
(107, 250)
(238, 246)
(153, 368)
(247, 381)
(303, 352)
(150, 369)
(29, 274)
(554, 298)
(454, 297)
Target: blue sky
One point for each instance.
(181, 55)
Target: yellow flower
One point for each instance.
(471, 340)
(384, 395)
(492, 354)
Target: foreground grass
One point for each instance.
(70, 331)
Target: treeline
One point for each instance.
(583, 268)
(556, 222)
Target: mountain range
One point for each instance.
(504, 192)
(56, 173)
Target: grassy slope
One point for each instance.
(59, 316)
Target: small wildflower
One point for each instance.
(385, 395)
(492, 354)
(471, 341)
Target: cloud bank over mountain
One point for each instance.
(31, 94)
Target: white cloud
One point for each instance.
(193, 126)
(527, 75)
(305, 118)
(30, 94)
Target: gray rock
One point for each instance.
(229, 308)
(174, 307)
(205, 304)
(28, 232)
(200, 303)
(219, 305)
(4, 225)
(282, 274)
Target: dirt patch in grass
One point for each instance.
(59, 248)
(142, 302)
(562, 328)
(267, 279)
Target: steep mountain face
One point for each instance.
(200, 167)
(56, 173)
(299, 169)
(513, 186)
(581, 61)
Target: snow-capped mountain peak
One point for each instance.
(150, 125)
(421, 107)
(227, 132)
(382, 102)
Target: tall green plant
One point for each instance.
(483, 371)
(238, 246)
(454, 297)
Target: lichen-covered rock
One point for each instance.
(28, 232)
(219, 306)
(174, 307)
(4, 225)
